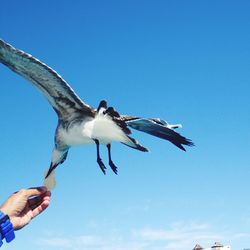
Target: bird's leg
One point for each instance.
(111, 164)
(99, 160)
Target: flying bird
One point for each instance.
(79, 123)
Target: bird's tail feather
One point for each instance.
(161, 129)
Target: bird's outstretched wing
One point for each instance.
(60, 95)
(158, 128)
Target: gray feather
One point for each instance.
(58, 92)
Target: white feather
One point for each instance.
(102, 128)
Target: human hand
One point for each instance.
(25, 205)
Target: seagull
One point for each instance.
(79, 123)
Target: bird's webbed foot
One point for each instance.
(113, 166)
(101, 165)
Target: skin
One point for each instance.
(26, 204)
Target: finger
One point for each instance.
(47, 195)
(37, 200)
(41, 207)
(34, 191)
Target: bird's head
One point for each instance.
(58, 157)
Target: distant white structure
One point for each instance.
(219, 246)
(198, 247)
(216, 246)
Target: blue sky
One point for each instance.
(183, 61)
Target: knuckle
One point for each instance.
(22, 191)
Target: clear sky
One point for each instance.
(183, 61)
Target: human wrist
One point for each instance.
(6, 211)
(6, 228)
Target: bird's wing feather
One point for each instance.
(159, 128)
(58, 92)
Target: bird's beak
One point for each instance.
(51, 168)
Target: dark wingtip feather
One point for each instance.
(187, 142)
(136, 145)
(180, 141)
(160, 129)
(179, 146)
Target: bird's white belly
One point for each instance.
(105, 130)
(75, 136)
(101, 128)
